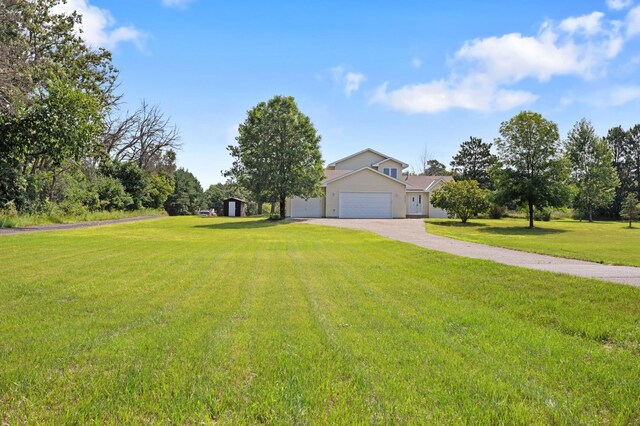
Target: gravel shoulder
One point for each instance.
(413, 231)
(75, 225)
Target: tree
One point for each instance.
(186, 198)
(533, 174)
(473, 161)
(619, 143)
(462, 198)
(634, 156)
(592, 170)
(143, 137)
(436, 168)
(278, 152)
(630, 207)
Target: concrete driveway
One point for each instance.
(413, 231)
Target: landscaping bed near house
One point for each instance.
(238, 320)
(607, 242)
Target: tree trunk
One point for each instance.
(283, 207)
(259, 207)
(530, 214)
(590, 214)
(273, 207)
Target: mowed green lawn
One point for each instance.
(190, 320)
(604, 242)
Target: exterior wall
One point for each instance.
(435, 212)
(366, 159)
(425, 202)
(366, 181)
(391, 164)
(288, 203)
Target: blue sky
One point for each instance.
(396, 76)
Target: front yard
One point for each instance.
(603, 242)
(198, 320)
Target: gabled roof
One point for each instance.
(332, 174)
(234, 199)
(386, 157)
(426, 182)
(404, 165)
(353, 172)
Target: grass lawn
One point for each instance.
(604, 242)
(191, 320)
(19, 221)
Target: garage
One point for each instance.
(313, 207)
(366, 205)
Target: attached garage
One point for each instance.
(366, 205)
(313, 207)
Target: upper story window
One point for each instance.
(390, 171)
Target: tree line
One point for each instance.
(66, 144)
(534, 169)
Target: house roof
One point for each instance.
(353, 172)
(386, 157)
(332, 174)
(235, 199)
(425, 182)
(404, 165)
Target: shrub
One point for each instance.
(461, 199)
(274, 216)
(543, 215)
(497, 212)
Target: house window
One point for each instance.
(391, 171)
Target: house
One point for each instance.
(369, 184)
(234, 207)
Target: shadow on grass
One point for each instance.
(244, 224)
(522, 230)
(457, 224)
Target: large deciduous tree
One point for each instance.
(473, 161)
(592, 169)
(278, 152)
(533, 173)
(619, 142)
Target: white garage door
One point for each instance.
(306, 208)
(365, 205)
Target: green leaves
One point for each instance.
(592, 169)
(463, 199)
(278, 152)
(534, 174)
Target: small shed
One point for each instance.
(234, 207)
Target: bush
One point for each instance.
(274, 216)
(497, 212)
(543, 215)
(461, 199)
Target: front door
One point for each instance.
(232, 208)
(415, 204)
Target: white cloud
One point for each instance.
(98, 25)
(351, 80)
(615, 96)
(441, 95)
(484, 69)
(619, 4)
(633, 22)
(416, 62)
(589, 24)
(178, 4)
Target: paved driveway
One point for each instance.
(413, 231)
